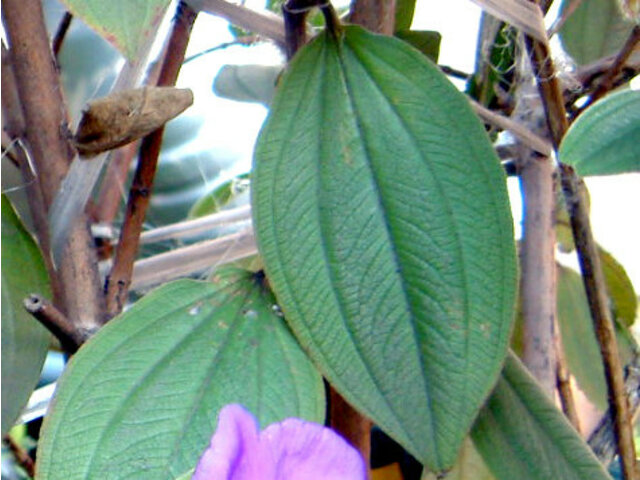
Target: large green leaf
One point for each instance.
(604, 139)
(521, 434)
(594, 30)
(579, 339)
(24, 340)
(382, 216)
(126, 24)
(142, 397)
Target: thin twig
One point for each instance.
(58, 38)
(196, 226)
(193, 259)
(48, 144)
(71, 337)
(353, 426)
(519, 13)
(607, 82)
(22, 457)
(117, 284)
(551, 94)
(112, 189)
(524, 135)
(246, 40)
(589, 75)
(264, 23)
(454, 72)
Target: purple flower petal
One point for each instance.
(235, 452)
(305, 450)
(290, 450)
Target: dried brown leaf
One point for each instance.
(123, 117)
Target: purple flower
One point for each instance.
(288, 450)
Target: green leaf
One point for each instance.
(426, 41)
(621, 292)
(247, 83)
(24, 340)
(594, 30)
(579, 339)
(141, 398)
(521, 434)
(383, 220)
(604, 139)
(404, 14)
(126, 24)
(221, 197)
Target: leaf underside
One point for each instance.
(24, 341)
(521, 434)
(126, 24)
(382, 216)
(141, 398)
(605, 139)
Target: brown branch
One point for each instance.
(22, 457)
(352, 425)
(117, 285)
(61, 33)
(70, 336)
(112, 189)
(551, 94)
(47, 140)
(14, 126)
(263, 23)
(376, 15)
(39, 90)
(603, 440)
(608, 81)
(593, 279)
(295, 27)
(537, 261)
(589, 76)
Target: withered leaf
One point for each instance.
(123, 117)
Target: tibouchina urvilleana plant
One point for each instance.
(287, 450)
